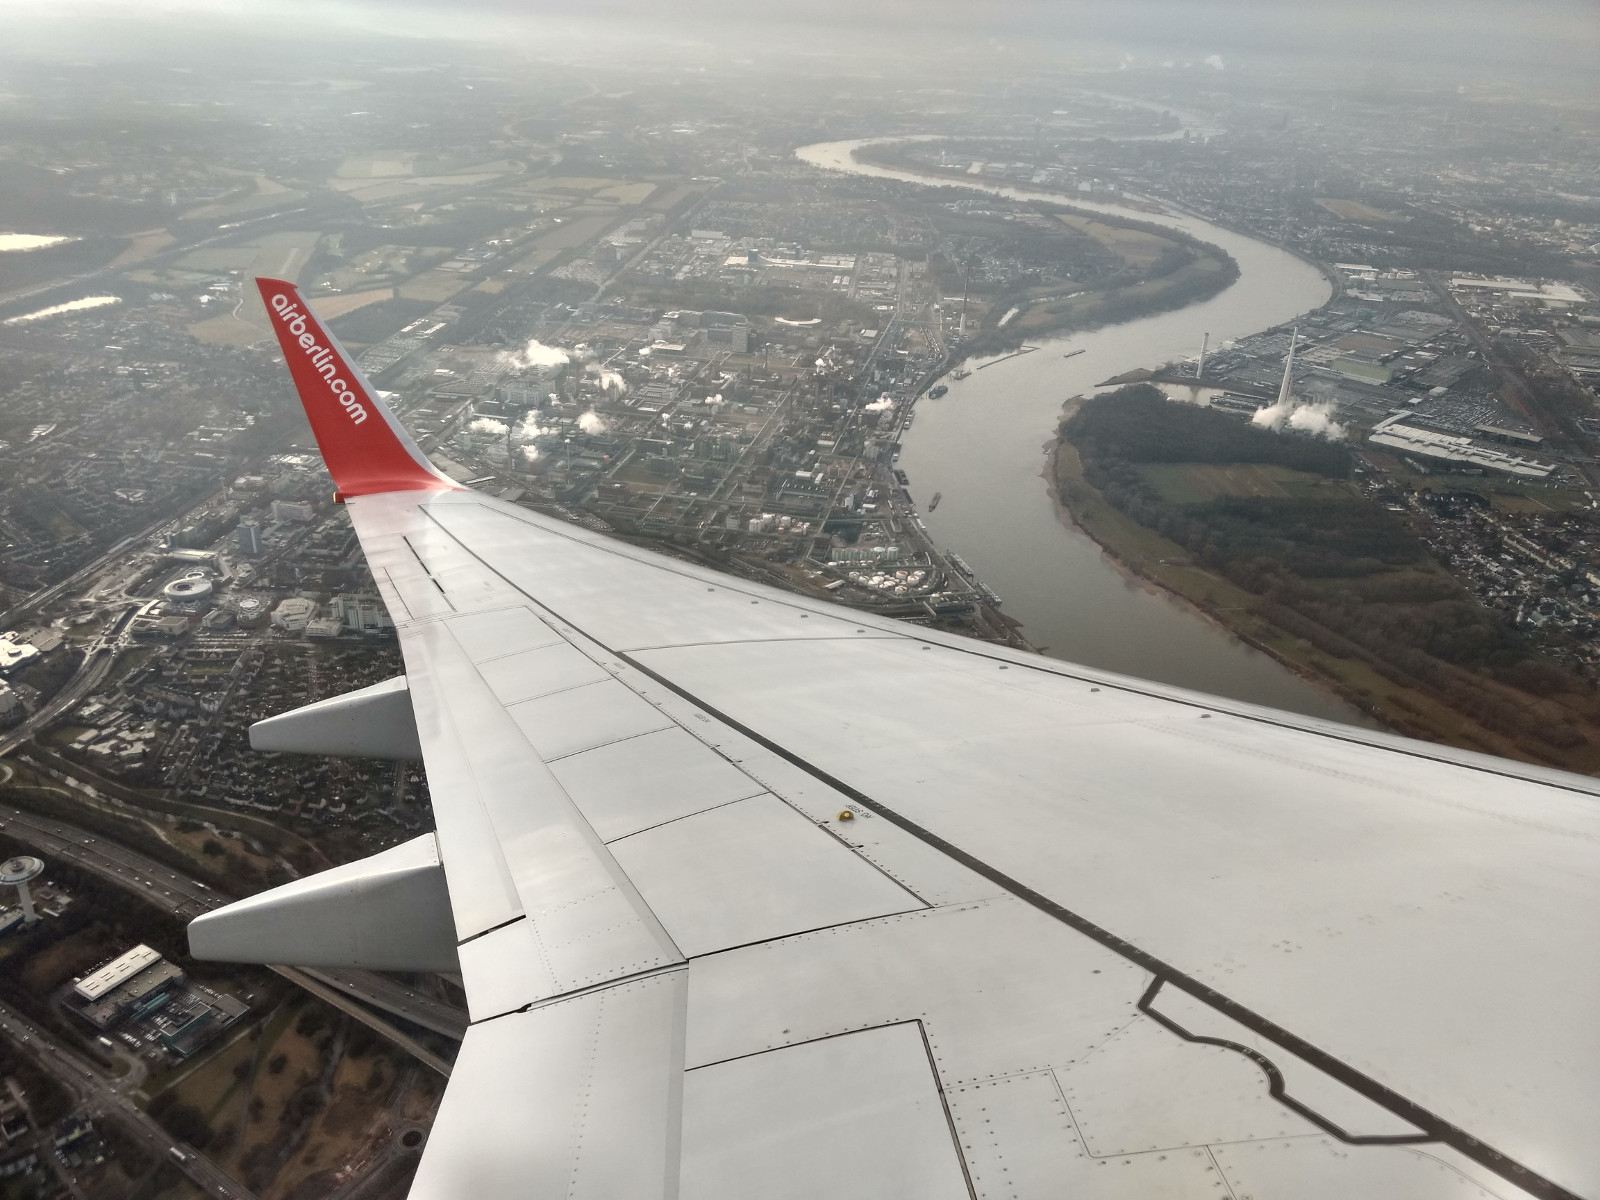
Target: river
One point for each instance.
(983, 447)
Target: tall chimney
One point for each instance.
(1288, 367)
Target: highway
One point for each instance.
(185, 898)
(96, 664)
(98, 658)
(103, 1098)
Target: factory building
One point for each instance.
(1461, 453)
(153, 1003)
(131, 986)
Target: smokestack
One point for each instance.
(1288, 367)
(1205, 344)
(966, 278)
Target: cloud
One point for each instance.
(534, 354)
(1314, 419)
(590, 422)
(1214, 61)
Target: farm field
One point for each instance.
(1136, 247)
(1197, 483)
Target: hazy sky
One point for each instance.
(1525, 37)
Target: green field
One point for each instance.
(1197, 483)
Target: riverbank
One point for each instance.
(1162, 268)
(980, 447)
(1158, 563)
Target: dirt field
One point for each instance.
(627, 194)
(670, 196)
(278, 255)
(329, 307)
(570, 233)
(144, 245)
(437, 286)
(1363, 214)
(268, 194)
(378, 164)
(218, 258)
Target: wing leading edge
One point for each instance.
(1078, 933)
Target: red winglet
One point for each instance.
(365, 448)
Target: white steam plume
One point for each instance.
(1314, 419)
(530, 452)
(491, 426)
(590, 422)
(534, 354)
(881, 404)
(714, 400)
(1317, 420)
(530, 429)
(1274, 415)
(608, 380)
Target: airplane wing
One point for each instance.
(754, 895)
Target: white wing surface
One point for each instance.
(754, 895)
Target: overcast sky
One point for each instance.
(1527, 37)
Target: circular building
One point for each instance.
(20, 869)
(250, 612)
(18, 872)
(191, 589)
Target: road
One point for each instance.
(98, 659)
(45, 595)
(185, 898)
(102, 1098)
(96, 664)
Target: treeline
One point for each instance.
(1342, 574)
(1167, 232)
(1139, 424)
(1113, 303)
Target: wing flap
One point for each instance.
(581, 1098)
(752, 871)
(641, 782)
(515, 849)
(855, 1117)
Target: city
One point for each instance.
(701, 304)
